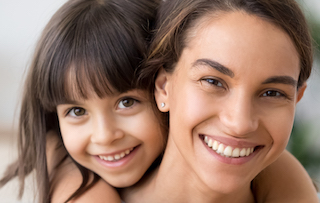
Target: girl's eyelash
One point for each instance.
(70, 110)
(127, 98)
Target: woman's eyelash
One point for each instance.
(213, 81)
(276, 94)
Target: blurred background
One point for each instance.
(21, 23)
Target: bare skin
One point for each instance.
(237, 103)
(67, 178)
(272, 185)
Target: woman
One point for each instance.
(230, 74)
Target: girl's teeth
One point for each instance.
(227, 151)
(116, 157)
(110, 158)
(122, 154)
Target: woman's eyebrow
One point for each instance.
(287, 80)
(214, 64)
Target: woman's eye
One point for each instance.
(77, 111)
(125, 103)
(213, 82)
(273, 93)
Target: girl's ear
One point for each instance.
(161, 91)
(301, 91)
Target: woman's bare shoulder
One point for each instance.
(285, 180)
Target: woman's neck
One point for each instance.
(175, 181)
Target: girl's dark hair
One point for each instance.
(87, 46)
(177, 17)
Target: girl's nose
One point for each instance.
(238, 115)
(105, 131)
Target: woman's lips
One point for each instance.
(230, 151)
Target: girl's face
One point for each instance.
(118, 137)
(231, 98)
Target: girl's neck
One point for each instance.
(174, 181)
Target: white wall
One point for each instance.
(21, 22)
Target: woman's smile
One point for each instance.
(232, 97)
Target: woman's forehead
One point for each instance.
(237, 39)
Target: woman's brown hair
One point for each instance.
(87, 46)
(176, 19)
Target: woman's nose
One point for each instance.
(105, 131)
(239, 116)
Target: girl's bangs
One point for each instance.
(82, 77)
(90, 53)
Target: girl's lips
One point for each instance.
(119, 159)
(116, 156)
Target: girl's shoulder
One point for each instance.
(65, 177)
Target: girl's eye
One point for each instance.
(77, 111)
(273, 93)
(126, 103)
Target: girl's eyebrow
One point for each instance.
(70, 102)
(214, 64)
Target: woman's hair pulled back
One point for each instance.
(177, 17)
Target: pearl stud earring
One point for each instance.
(162, 104)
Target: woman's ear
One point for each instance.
(161, 91)
(301, 91)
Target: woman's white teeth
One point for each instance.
(236, 152)
(220, 149)
(227, 151)
(215, 145)
(243, 152)
(116, 157)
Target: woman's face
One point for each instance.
(231, 98)
(118, 137)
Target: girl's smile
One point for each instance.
(118, 136)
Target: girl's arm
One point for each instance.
(285, 180)
(69, 179)
(66, 178)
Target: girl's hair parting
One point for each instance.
(176, 18)
(88, 46)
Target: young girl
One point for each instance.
(81, 87)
